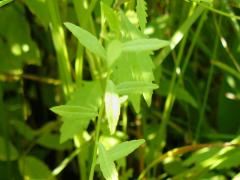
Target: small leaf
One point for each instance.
(114, 50)
(141, 13)
(107, 166)
(132, 87)
(123, 149)
(112, 106)
(75, 111)
(87, 40)
(111, 17)
(140, 45)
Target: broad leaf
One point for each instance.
(111, 17)
(112, 106)
(75, 111)
(7, 151)
(140, 45)
(33, 168)
(132, 87)
(87, 40)
(141, 13)
(107, 166)
(114, 50)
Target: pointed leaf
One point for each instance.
(141, 13)
(75, 111)
(131, 87)
(123, 149)
(139, 45)
(87, 40)
(107, 166)
(112, 106)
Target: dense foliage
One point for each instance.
(124, 89)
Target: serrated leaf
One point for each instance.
(107, 166)
(141, 13)
(114, 50)
(87, 40)
(111, 17)
(140, 45)
(112, 106)
(75, 111)
(131, 87)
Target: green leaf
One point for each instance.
(111, 17)
(140, 45)
(87, 96)
(134, 67)
(39, 8)
(131, 87)
(107, 166)
(123, 149)
(112, 106)
(7, 151)
(33, 169)
(141, 13)
(72, 127)
(87, 40)
(4, 2)
(114, 50)
(75, 111)
(16, 44)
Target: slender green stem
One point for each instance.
(60, 47)
(178, 35)
(205, 98)
(100, 116)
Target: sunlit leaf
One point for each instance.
(141, 13)
(75, 111)
(131, 87)
(107, 166)
(112, 106)
(140, 45)
(123, 149)
(114, 50)
(87, 40)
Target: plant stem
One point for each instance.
(60, 47)
(100, 116)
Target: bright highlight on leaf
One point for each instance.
(107, 166)
(87, 40)
(112, 106)
(141, 13)
(140, 45)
